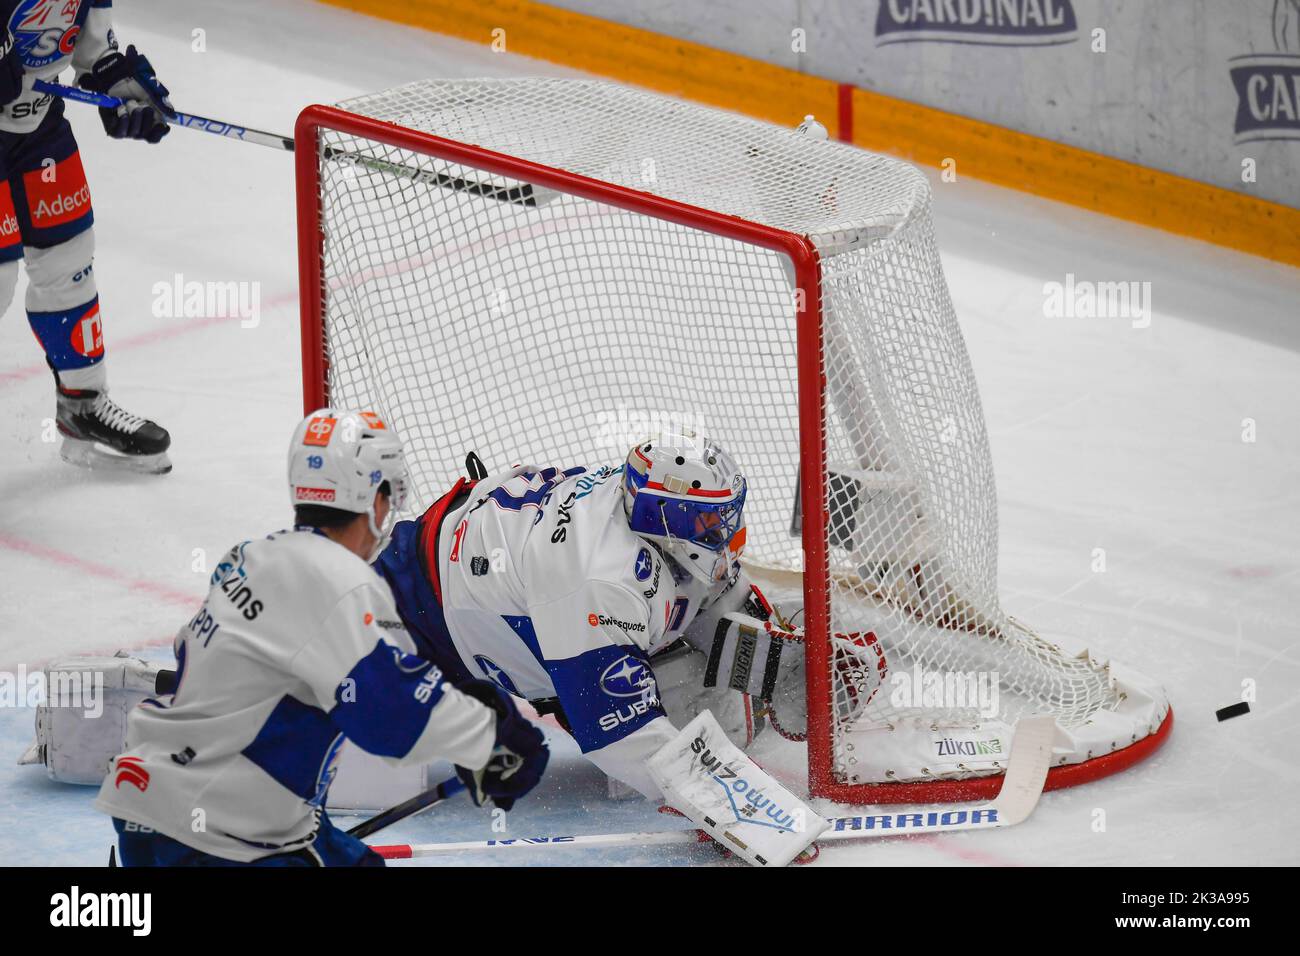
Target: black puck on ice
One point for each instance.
(1236, 710)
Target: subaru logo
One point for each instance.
(495, 674)
(627, 677)
(644, 565)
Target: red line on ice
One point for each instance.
(102, 571)
(161, 592)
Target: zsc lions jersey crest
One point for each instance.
(47, 30)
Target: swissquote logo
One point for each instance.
(1268, 84)
(982, 22)
(75, 908)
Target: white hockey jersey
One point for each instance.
(547, 592)
(297, 648)
(52, 35)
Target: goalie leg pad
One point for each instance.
(703, 775)
(81, 726)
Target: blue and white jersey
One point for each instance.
(297, 649)
(547, 592)
(52, 35)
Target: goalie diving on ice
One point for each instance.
(613, 599)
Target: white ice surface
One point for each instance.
(1104, 436)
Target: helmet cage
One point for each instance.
(701, 518)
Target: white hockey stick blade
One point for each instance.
(1031, 755)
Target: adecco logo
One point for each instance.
(984, 22)
(1268, 84)
(313, 494)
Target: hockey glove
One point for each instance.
(518, 759)
(11, 68)
(145, 107)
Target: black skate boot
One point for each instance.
(98, 433)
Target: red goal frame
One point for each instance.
(822, 780)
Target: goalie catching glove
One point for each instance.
(519, 755)
(764, 657)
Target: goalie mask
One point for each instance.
(686, 494)
(339, 459)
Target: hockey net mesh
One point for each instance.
(480, 314)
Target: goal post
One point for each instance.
(494, 264)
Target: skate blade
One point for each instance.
(86, 454)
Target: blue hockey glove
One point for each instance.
(518, 759)
(145, 107)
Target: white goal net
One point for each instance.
(511, 308)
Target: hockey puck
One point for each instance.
(1236, 710)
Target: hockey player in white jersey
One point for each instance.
(574, 588)
(296, 650)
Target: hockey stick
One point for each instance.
(523, 195)
(408, 808)
(1031, 755)
(188, 120)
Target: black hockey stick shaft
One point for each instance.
(521, 195)
(407, 808)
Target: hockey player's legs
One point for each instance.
(51, 203)
(51, 200)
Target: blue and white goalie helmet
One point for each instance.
(340, 458)
(688, 496)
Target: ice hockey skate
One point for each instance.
(100, 434)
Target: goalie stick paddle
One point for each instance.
(521, 195)
(1031, 755)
